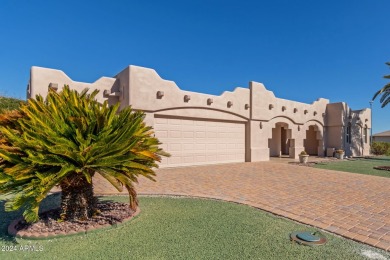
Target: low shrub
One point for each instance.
(7, 103)
(380, 148)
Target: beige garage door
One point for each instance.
(196, 142)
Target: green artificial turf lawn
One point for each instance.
(363, 166)
(185, 228)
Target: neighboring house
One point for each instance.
(245, 125)
(381, 137)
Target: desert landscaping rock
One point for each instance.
(110, 214)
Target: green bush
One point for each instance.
(380, 148)
(63, 141)
(7, 103)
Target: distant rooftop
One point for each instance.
(385, 133)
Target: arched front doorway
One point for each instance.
(312, 140)
(279, 144)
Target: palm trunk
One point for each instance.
(77, 199)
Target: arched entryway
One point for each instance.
(280, 143)
(311, 142)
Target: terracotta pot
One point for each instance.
(303, 158)
(340, 156)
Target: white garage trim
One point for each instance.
(198, 142)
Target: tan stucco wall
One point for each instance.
(40, 78)
(262, 113)
(144, 84)
(341, 116)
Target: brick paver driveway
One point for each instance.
(352, 205)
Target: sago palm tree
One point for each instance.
(63, 141)
(385, 92)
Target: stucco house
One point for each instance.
(381, 137)
(245, 125)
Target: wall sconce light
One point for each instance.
(229, 104)
(160, 94)
(53, 86)
(209, 101)
(366, 120)
(187, 98)
(299, 128)
(261, 125)
(270, 106)
(305, 111)
(246, 106)
(295, 110)
(315, 113)
(323, 114)
(283, 108)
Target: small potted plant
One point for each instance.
(303, 157)
(339, 154)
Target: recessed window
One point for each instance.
(348, 133)
(365, 134)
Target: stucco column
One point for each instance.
(321, 146)
(258, 143)
(297, 134)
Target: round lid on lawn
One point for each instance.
(308, 238)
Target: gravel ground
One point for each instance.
(109, 213)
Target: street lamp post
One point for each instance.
(372, 101)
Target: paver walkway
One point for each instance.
(351, 205)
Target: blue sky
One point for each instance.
(301, 50)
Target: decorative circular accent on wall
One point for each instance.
(159, 94)
(53, 86)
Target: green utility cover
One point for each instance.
(309, 237)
